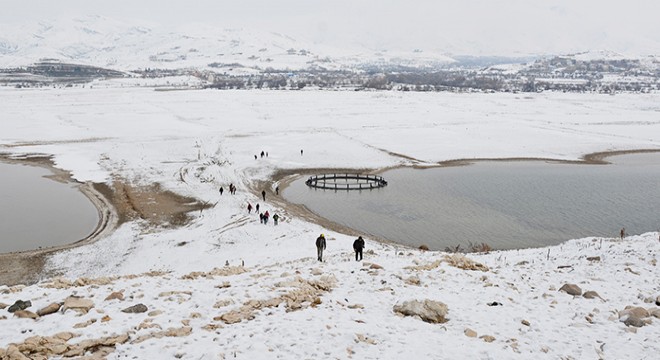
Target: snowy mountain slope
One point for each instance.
(100, 41)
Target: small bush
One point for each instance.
(471, 248)
(454, 249)
(480, 248)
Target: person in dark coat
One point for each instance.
(266, 216)
(221, 190)
(261, 218)
(276, 218)
(257, 208)
(320, 246)
(358, 245)
(263, 194)
(250, 208)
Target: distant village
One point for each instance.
(564, 74)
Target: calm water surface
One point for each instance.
(504, 204)
(39, 212)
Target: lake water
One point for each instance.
(506, 205)
(39, 212)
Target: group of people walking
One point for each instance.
(249, 208)
(358, 246)
(232, 189)
(263, 153)
(263, 217)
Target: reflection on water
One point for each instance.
(504, 204)
(39, 212)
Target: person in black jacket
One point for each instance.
(320, 246)
(358, 245)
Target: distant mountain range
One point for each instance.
(104, 42)
(107, 43)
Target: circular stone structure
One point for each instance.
(346, 181)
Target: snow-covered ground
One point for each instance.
(194, 141)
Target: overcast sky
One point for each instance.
(455, 26)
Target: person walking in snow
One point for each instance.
(257, 208)
(263, 194)
(262, 153)
(320, 246)
(249, 208)
(266, 216)
(277, 190)
(221, 190)
(358, 245)
(275, 218)
(261, 218)
(622, 233)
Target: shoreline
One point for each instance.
(108, 217)
(27, 266)
(115, 205)
(597, 158)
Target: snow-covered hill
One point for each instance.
(100, 41)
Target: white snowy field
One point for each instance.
(193, 142)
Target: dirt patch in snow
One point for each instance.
(151, 203)
(17, 268)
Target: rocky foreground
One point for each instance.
(587, 299)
